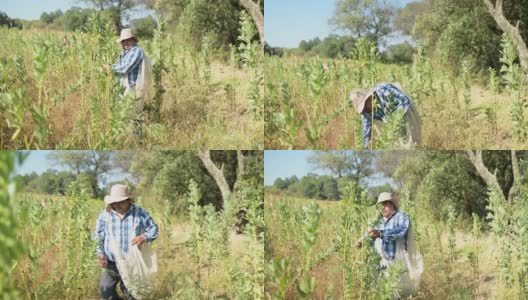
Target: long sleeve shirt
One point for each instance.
(129, 64)
(395, 227)
(135, 222)
(389, 98)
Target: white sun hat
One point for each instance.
(388, 197)
(118, 192)
(126, 34)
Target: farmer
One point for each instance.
(394, 242)
(129, 67)
(131, 225)
(389, 98)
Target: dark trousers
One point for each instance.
(108, 283)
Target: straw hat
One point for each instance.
(359, 98)
(388, 197)
(126, 34)
(118, 192)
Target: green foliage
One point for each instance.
(516, 83)
(399, 54)
(218, 20)
(332, 46)
(11, 246)
(428, 175)
(452, 31)
(144, 28)
(251, 55)
(158, 69)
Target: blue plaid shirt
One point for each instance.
(136, 216)
(386, 93)
(394, 228)
(130, 62)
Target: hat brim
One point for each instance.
(359, 98)
(110, 199)
(119, 40)
(394, 201)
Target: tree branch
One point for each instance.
(256, 14)
(490, 179)
(216, 173)
(513, 32)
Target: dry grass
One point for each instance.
(442, 112)
(442, 279)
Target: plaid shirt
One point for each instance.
(130, 63)
(389, 98)
(136, 217)
(394, 228)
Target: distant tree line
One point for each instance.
(313, 186)
(334, 46)
(192, 21)
(5, 20)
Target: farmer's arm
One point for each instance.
(398, 231)
(366, 123)
(99, 234)
(129, 61)
(151, 229)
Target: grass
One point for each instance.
(448, 256)
(56, 95)
(458, 109)
(60, 262)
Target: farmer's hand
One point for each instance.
(102, 261)
(358, 244)
(374, 234)
(106, 66)
(138, 240)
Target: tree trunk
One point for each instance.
(254, 11)
(513, 31)
(240, 170)
(491, 179)
(216, 173)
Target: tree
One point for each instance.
(5, 20)
(497, 12)
(48, 18)
(116, 8)
(491, 179)
(216, 19)
(406, 16)
(216, 172)
(280, 184)
(458, 30)
(75, 18)
(329, 186)
(437, 180)
(400, 53)
(356, 164)
(363, 18)
(144, 27)
(92, 164)
(255, 8)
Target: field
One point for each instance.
(307, 102)
(199, 255)
(55, 94)
(310, 252)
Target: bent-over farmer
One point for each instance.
(388, 98)
(131, 225)
(128, 67)
(394, 243)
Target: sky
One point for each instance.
(287, 163)
(38, 162)
(288, 22)
(32, 9)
